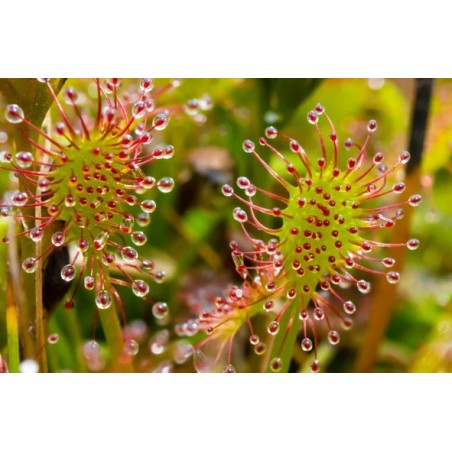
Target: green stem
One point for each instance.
(284, 342)
(113, 335)
(12, 327)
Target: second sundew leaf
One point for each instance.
(327, 220)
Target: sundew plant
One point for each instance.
(218, 225)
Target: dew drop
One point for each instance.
(303, 315)
(183, 350)
(91, 350)
(108, 259)
(36, 234)
(347, 323)
(129, 254)
(19, 199)
(168, 152)
(139, 238)
(320, 109)
(14, 114)
(57, 239)
(372, 126)
(393, 277)
(158, 342)
(160, 122)
(88, 282)
(276, 364)
(315, 366)
(131, 347)
(318, 314)
(159, 277)
(363, 286)
(229, 369)
(148, 182)
(103, 299)
(404, 157)
(312, 117)
(165, 184)
(139, 109)
(160, 310)
(248, 146)
(24, 159)
(273, 328)
(148, 206)
(83, 245)
(29, 366)
(147, 85)
(333, 337)
(269, 305)
(68, 273)
(5, 157)
(44, 184)
(399, 213)
(240, 215)
(271, 132)
(243, 182)
(30, 265)
(415, 200)
(126, 225)
(295, 146)
(349, 307)
(191, 107)
(101, 240)
(227, 190)
(388, 262)
(399, 187)
(140, 288)
(254, 339)
(260, 348)
(69, 201)
(70, 96)
(147, 265)
(53, 339)
(413, 244)
(306, 344)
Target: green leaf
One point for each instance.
(32, 96)
(280, 97)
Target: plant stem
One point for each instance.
(12, 328)
(113, 335)
(284, 343)
(6, 290)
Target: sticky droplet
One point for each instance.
(165, 184)
(14, 114)
(30, 265)
(68, 273)
(103, 299)
(140, 288)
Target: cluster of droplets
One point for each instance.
(329, 211)
(150, 351)
(219, 321)
(86, 179)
